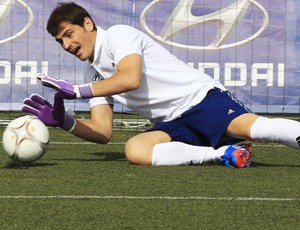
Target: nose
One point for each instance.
(66, 44)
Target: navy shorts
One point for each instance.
(206, 123)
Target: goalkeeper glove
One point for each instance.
(54, 116)
(68, 90)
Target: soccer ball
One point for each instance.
(26, 139)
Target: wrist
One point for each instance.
(69, 123)
(83, 91)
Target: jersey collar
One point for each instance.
(97, 51)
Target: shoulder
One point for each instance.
(122, 29)
(119, 36)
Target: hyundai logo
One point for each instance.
(6, 8)
(224, 21)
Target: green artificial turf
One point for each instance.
(80, 185)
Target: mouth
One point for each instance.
(75, 50)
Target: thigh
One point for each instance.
(206, 123)
(138, 149)
(240, 127)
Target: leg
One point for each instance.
(178, 153)
(156, 148)
(240, 127)
(266, 130)
(139, 148)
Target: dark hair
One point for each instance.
(66, 12)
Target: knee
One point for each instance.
(137, 152)
(130, 152)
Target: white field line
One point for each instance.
(84, 143)
(76, 197)
(80, 143)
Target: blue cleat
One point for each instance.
(237, 156)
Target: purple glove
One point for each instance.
(53, 116)
(68, 90)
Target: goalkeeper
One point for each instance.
(196, 120)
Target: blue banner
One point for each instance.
(252, 47)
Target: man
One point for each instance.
(196, 120)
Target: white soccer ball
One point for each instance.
(26, 139)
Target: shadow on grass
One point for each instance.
(108, 156)
(19, 165)
(257, 164)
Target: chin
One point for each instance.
(82, 58)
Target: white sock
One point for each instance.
(276, 130)
(178, 153)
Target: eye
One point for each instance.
(69, 34)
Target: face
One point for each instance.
(77, 40)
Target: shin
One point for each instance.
(276, 130)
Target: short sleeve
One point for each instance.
(123, 41)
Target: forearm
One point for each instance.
(116, 84)
(128, 77)
(92, 132)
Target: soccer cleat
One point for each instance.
(237, 156)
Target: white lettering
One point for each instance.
(281, 69)
(229, 67)
(5, 79)
(260, 73)
(26, 69)
(23, 70)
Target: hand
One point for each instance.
(68, 91)
(53, 116)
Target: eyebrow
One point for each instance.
(64, 35)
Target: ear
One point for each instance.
(88, 24)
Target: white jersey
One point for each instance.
(168, 88)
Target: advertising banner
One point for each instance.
(250, 46)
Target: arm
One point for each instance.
(127, 78)
(98, 128)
